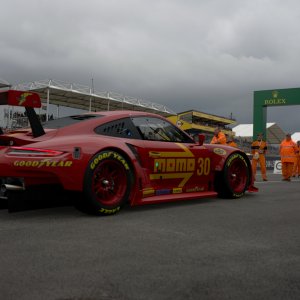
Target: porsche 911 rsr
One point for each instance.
(115, 157)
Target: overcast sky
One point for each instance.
(208, 55)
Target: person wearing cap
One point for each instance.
(219, 137)
(287, 152)
(258, 150)
(296, 170)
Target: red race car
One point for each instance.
(114, 157)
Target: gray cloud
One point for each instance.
(207, 55)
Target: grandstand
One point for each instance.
(196, 122)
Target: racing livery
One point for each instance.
(114, 157)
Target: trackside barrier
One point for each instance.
(277, 167)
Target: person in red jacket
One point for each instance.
(287, 150)
(219, 137)
(258, 150)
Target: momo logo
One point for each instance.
(178, 165)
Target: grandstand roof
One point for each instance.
(84, 97)
(3, 83)
(274, 133)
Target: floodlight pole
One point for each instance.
(90, 105)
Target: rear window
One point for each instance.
(66, 121)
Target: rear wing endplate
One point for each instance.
(30, 101)
(20, 98)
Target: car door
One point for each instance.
(174, 162)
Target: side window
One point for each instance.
(156, 129)
(120, 128)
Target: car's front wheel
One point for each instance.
(107, 182)
(234, 179)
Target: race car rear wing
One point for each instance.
(20, 98)
(29, 100)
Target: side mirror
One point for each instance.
(199, 139)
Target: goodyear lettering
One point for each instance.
(238, 195)
(42, 163)
(68, 163)
(106, 155)
(233, 157)
(109, 211)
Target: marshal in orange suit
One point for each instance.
(258, 150)
(288, 150)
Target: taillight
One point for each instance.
(27, 151)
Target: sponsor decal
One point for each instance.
(238, 195)
(23, 98)
(177, 190)
(275, 99)
(163, 192)
(220, 151)
(233, 157)
(195, 189)
(42, 163)
(181, 165)
(106, 155)
(109, 211)
(148, 192)
(163, 165)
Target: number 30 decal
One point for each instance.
(203, 166)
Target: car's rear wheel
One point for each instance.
(107, 183)
(233, 181)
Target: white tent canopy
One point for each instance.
(296, 136)
(84, 97)
(3, 83)
(274, 133)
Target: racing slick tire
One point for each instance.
(107, 183)
(234, 179)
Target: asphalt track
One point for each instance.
(204, 249)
